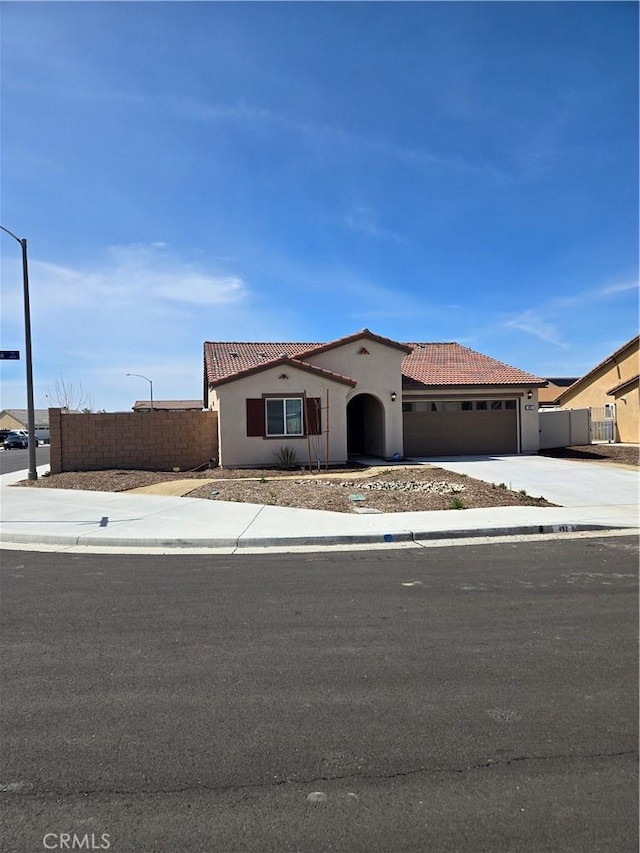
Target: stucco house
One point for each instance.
(611, 383)
(365, 395)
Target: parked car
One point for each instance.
(17, 438)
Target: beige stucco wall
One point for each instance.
(238, 450)
(527, 409)
(379, 374)
(628, 415)
(9, 422)
(593, 393)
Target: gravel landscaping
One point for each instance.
(395, 489)
(399, 488)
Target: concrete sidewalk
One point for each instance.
(66, 519)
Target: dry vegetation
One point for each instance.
(399, 488)
(394, 489)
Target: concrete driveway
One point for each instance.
(561, 481)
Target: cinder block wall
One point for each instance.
(145, 441)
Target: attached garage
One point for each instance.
(460, 427)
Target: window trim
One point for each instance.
(284, 401)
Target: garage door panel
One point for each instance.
(460, 433)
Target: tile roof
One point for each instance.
(426, 364)
(445, 364)
(225, 359)
(284, 361)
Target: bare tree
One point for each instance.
(67, 396)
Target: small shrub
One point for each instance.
(456, 503)
(502, 485)
(523, 492)
(262, 480)
(286, 457)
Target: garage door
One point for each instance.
(460, 427)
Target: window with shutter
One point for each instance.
(255, 417)
(283, 416)
(314, 415)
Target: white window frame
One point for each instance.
(283, 401)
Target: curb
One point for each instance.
(400, 537)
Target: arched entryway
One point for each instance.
(365, 426)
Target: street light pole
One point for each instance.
(31, 417)
(148, 380)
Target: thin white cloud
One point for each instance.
(533, 323)
(597, 294)
(619, 288)
(365, 221)
(543, 322)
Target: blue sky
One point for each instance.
(298, 171)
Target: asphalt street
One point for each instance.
(18, 460)
(476, 698)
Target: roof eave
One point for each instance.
(280, 362)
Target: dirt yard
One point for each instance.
(621, 454)
(395, 489)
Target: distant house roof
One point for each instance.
(424, 364)
(584, 380)
(41, 416)
(168, 405)
(561, 381)
(549, 394)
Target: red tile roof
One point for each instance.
(452, 364)
(286, 362)
(224, 359)
(425, 364)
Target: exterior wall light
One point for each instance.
(393, 396)
(529, 395)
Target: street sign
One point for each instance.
(9, 354)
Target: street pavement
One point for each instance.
(18, 459)
(480, 699)
(592, 496)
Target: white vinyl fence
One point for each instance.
(603, 423)
(564, 428)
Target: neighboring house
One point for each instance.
(365, 395)
(17, 419)
(555, 386)
(168, 405)
(612, 383)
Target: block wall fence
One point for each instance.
(145, 441)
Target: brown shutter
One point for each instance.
(314, 415)
(255, 417)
